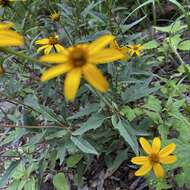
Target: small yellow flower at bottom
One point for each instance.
(49, 44)
(124, 50)
(155, 157)
(135, 50)
(81, 60)
(55, 16)
(8, 37)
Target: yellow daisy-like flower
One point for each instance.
(81, 60)
(9, 37)
(124, 50)
(135, 50)
(55, 16)
(155, 157)
(50, 43)
(6, 3)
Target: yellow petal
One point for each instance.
(158, 170)
(144, 169)
(139, 160)
(4, 25)
(54, 58)
(145, 145)
(167, 150)
(71, 84)
(106, 56)
(43, 41)
(48, 49)
(10, 38)
(168, 159)
(56, 71)
(10, 42)
(41, 48)
(114, 44)
(156, 145)
(100, 43)
(59, 48)
(94, 76)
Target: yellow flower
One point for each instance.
(4, 3)
(9, 37)
(81, 60)
(123, 50)
(155, 157)
(52, 42)
(135, 50)
(55, 16)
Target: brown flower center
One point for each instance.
(154, 158)
(135, 48)
(53, 40)
(78, 57)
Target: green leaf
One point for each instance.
(85, 111)
(73, 160)
(93, 122)
(185, 45)
(8, 173)
(30, 184)
(126, 132)
(60, 182)
(58, 134)
(151, 44)
(84, 145)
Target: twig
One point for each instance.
(29, 127)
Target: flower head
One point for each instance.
(8, 37)
(6, 3)
(81, 60)
(49, 44)
(124, 50)
(55, 16)
(135, 50)
(155, 157)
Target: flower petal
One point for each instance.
(43, 41)
(144, 169)
(94, 76)
(167, 150)
(71, 84)
(158, 170)
(41, 48)
(56, 71)
(168, 159)
(48, 49)
(100, 43)
(156, 144)
(6, 25)
(10, 42)
(139, 160)
(59, 48)
(54, 58)
(145, 145)
(106, 56)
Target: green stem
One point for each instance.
(19, 54)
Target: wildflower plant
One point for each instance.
(80, 85)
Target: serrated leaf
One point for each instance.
(60, 182)
(185, 45)
(93, 122)
(84, 145)
(73, 160)
(151, 44)
(126, 132)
